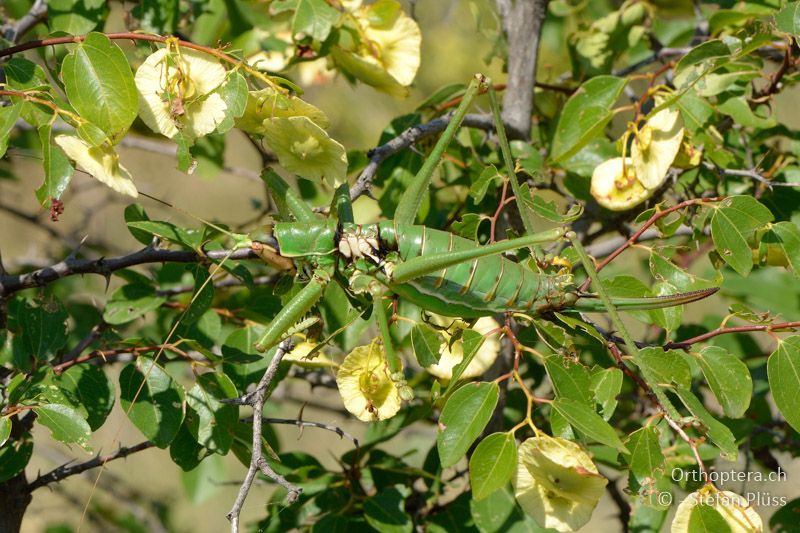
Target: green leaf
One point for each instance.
(8, 118)
(788, 19)
(669, 318)
(664, 369)
(629, 287)
(588, 422)
(549, 210)
(44, 329)
(714, 429)
(585, 115)
(489, 176)
(57, 169)
(499, 513)
(91, 134)
(314, 18)
(472, 341)
(738, 108)
(785, 519)
(728, 378)
(706, 519)
(186, 162)
(732, 224)
(570, 380)
(22, 74)
(455, 517)
(646, 457)
(158, 16)
(99, 84)
(75, 17)
(217, 421)
(202, 297)
(136, 213)
(665, 270)
(131, 301)
(463, 418)
(65, 424)
(492, 464)
(427, 344)
(5, 429)
(234, 93)
(695, 111)
(783, 370)
(700, 61)
(14, 458)
(606, 385)
(468, 226)
(386, 512)
(786, 237)
(184, 450)
(152, 400)
(580, 325)
(89, 391)
(189, 238)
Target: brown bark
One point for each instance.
(15, 496)
(522, 23)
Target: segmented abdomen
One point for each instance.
(481, 287)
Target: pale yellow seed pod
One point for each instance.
(557, 483)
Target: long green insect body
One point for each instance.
(482, 286)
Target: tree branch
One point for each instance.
(36, 14)
(685, 344)
(9, 284)
(622, 504)
(65, 471)
(120, 353)
(305, 423)
(409, 137)
(603, 248)
(652, 220)
(256, 400)
(522, 23)
(224, 284)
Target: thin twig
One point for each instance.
(34, 16)
(690, 441)
(406, 139)
(756, 175)
(256, 400)
(306, 423)
(652, 58)
(84, 343)
(71, 266)
(113, 355)
(642, 384)
(128, 36)
(603, 248)
(682, 345)
(65, 471)
(652, 220)
(775, 85)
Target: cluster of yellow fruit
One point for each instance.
(181, 91)
(622, 183)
